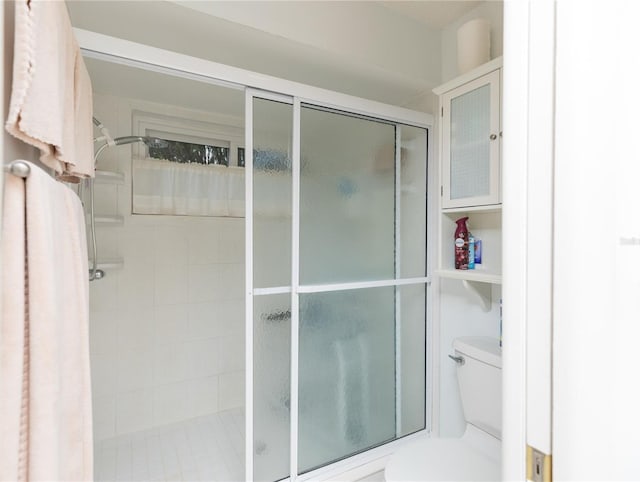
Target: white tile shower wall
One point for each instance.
(167, 329)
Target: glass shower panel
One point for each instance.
(412, 201)
(272, 131)
(347, 198)
(410, 350)
(346, 374)
(271, 386)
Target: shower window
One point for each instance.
(187, 152)
(199, 172)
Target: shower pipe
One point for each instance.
(94, 272)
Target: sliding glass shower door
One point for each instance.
(346, 356)
(336, 284)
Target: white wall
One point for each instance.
(491, 11)
(359, 48)
(167, 329)
(363, 32)
(460, 315)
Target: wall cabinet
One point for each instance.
(471, 143)
(470, 138)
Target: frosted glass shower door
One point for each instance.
(336, 280)
(269, 145)
(346, 379)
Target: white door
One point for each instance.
(570, 157)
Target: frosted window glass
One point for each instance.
(346, 374)
(346, 198)
(272, 131)
(271, 386)
(413, 202)
(469, 149)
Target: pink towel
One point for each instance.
(45, 387)
(51, 99)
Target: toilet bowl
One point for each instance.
(477, 454)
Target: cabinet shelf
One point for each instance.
(109, 220)
(490, 208)
(108, 264)
(471, 275)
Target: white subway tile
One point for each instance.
(172, 363)
(206, 357)
(136, 285)
(171, 324)
(104, 374)
(103, 294)
(136, 245)
(203, 320)
(104, 417)
(230, 318)
(171, 246)
(106, 199)
(204, 247)
(171, 284)
(134, 410)
(134, 369)
(205, 283)
(231, 353)
(170, 403)
(232, 248)
(135, 329)
(203, 394)
(102, 332)
(231, 390)
(232, 277)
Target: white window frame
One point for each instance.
(220, 131)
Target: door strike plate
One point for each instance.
(538, 465)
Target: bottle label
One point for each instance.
(459, 243)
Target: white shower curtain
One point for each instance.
(165, 187)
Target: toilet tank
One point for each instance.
(480, 382)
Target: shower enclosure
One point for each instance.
(336, 283)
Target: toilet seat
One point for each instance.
(474, 456)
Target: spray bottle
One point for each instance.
(462, 244)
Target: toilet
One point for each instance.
(477, 454)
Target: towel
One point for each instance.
(45, 390)
(352, 405)
(51, 104)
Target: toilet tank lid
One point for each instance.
(483, 348)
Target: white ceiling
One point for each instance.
(386, 51)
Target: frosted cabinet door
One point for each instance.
(471, 143)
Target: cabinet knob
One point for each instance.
(493, 137)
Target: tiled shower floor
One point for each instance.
(207, 448)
